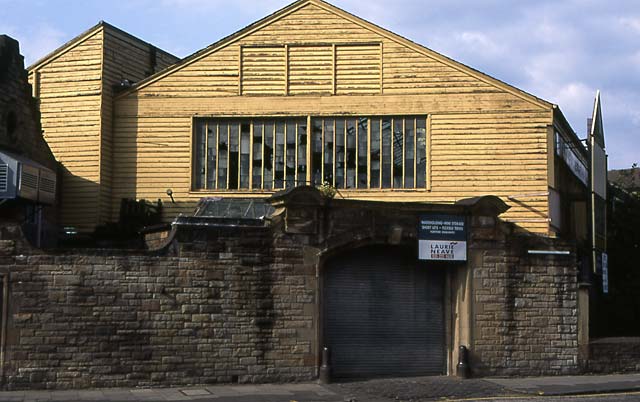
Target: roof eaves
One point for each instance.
(127, 34)
(564, 123)
(432, 53)
(67, 46)
(227, 40)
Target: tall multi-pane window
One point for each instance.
(344, 152)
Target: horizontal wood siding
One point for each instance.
(69, 88)
(310, 69)
(484, 139)
(358, 69)
(263, 70)
(125, 57)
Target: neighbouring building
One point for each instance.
(75, 86)
(27, 167)
(409, 205)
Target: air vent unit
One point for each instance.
(23, 178)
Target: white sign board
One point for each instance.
(442, 238)
(442, 250)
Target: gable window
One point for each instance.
(349, 153)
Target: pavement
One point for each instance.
(375, 390)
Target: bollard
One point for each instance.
(325, 368)
(463, 369)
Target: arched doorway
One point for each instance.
(383, 313)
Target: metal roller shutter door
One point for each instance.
(383, 314)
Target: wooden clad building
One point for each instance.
(308, 95)
(75, 87)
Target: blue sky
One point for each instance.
(559, 50)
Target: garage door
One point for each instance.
(383, 314)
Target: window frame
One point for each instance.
(199, 121)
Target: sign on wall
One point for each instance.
(442, 238)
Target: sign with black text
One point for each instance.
(442, 238)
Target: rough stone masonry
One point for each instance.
(240, 303)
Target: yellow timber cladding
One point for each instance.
(74, 86)
(312, 61)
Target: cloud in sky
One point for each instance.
(561, 51)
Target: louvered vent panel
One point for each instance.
(310, 69)
(47, 185)
(263, 70)
(358, 69)
(4, 177)
(29, 180)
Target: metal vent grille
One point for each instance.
(47, 185)
(29, 180)
(4, 177)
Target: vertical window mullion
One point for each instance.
(369, 153)
(308, 150)
(428, 152)
(250, 172)
(393, 126)
(345, 178)
(404, 152)
(295, 152)
(217, 153)
(323, 146)
(415, 152)
(285, 154)
(273, 156)
(357, 140)
(239, 155)
(381, 166)
(264, 141)
(335, 148)
(228, 153)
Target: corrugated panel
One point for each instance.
(383, 314)
(310, 69)
(358, 69)
(263, 70)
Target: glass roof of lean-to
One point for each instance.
(233, 208)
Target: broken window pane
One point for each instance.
(340, 153)
(212, 142)
(351, 153)
(363, 124)
(199, 156)
(279, 157)
(302, 153)
(386, 153)
(223, 154)
(234, 155)
(245, 147)
(316, 152)
(256, 166)
(409, 157)
(421, 153)
(328, 151)
(375, 153)
(268, 155)
(397, 153)
(290, 172)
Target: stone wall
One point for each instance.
(231, 305)
(525, 306)
(237, 303)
